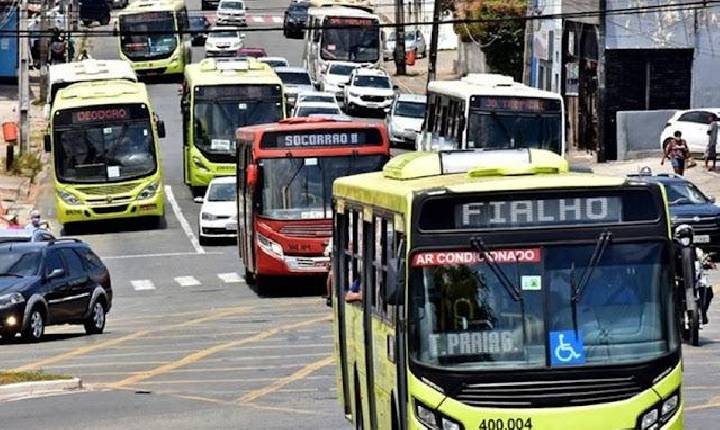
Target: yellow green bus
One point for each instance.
(497, 290)
(219, 96)
(104, 140)
(153, 35)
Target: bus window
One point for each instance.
(350, 39)
(148, 35)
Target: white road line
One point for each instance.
(230, 278)
(183, 222)
(167, 254)
(258, 19)
(187, 281)
(142, 285)
(277, 19)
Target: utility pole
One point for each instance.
(527, 63)
(432, 58)
(400, 65)
(23, 78)
(44, 30)
(601, 105)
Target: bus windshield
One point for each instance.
(462, 316)
(357, 40)
(301, 188)
(515, 130)
(102, 145)
(137, 44)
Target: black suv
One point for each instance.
(295, 19)
(49, 283)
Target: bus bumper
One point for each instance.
(153, 207)
(269, 263)
(168, 66)
(204, 171)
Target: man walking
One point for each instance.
(711, 150)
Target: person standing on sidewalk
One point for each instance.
(711, 150)
(677, 151)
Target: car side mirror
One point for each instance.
(251, 175)
(56, 273)
(47, 143)
(396, 278)
(161, 128)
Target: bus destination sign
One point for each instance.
(321, 138)
(515, 104)
(344, 21)
(535, 213)
(101, 114)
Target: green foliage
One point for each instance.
(502, 39)
(27, 164)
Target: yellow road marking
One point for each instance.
(714, 402)
(111, 342)
(278, 384)
(224, 380)
(200, 355)
(250, 405)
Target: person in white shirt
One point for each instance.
(34, 220)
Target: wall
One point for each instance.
(638, 133)
(470, 59)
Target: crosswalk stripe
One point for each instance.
(187, 281)
(142, 285)
(230, 278)
(258, 18)
(277, 19)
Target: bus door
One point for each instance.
(246, 224)
(368, 290)
(187, 132)
(339, 283)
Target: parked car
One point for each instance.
(274, 61)
(295, 19)
(199, 26)
(50, 283)
(231, 12)
(295, 80)
(406, 118)
(223, 42)
(307, 109)
(689, 205)
(693, 124)
(316, 96)
(25, 235)
(335, 77)
(251, 52)
(369, 89)
(218, 209)
(414, 41)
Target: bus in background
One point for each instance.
(219, 96)
(493, 112)
(154, 36)
(285, 177)
(341, 31)
(500, 291)
(105, 151)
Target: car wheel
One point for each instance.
(95, 324)
(35, 327)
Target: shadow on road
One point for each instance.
(57, 337)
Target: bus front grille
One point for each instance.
(306, 231)
(545, 394)
(110, 209)
(109, 189)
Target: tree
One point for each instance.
(500, 36)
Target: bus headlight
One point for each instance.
(148, 192)
(68, 197)
(270, 246)
(433, 419)
(669, 407)
(660, 413)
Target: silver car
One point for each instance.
(414, 41)
(296, 80)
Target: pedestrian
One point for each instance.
(677, 151)
(34, 220)
(711, 150)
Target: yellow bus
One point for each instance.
(496, 290)
(106, 153)
(154, 36)
(221, 95)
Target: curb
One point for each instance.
(27, 389)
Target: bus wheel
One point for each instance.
(249, 277)
(358, 407)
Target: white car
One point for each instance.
(274, 61)
(223, 42)
(218, 214)
(231, 12)
(295, 80)
(336, 77)
(307, 109)
(316, 96)
(693, 124)
(406, 118)
(369, 89)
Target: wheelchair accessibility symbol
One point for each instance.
(567, 348)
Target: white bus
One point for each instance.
(341, 31)
(494, 112)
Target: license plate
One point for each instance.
(506, 424)
(372, 105)
(702, 238)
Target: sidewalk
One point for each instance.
(416, 79)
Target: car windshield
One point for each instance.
(19, 262)
(148, 35)
(320, 98)
(224, 35)
(515, 130)
(301, 188)
(341, 69)
(684, 193)
(275, 63)
(294, 78)
(310, 110)
(235, 5)
(410, 109)
(105, 152)
(462, 316)
(357, 43)
(222, 192)
(372, 81)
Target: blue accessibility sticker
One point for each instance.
(566, 348)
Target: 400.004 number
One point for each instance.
(506, 424)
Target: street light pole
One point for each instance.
(23, 77)
(400, 65)
(44, 42)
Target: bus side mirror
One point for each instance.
(251, 175)
(48, 144)
(161, 129)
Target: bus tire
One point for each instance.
(358, 418)
(249, 277)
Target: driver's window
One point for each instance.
(53, 262)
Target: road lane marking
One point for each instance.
(301, 374)
(108, 343)
(227, 380)
(165, 254)
(258, 19)
(183, 222)
(252, 406)
(201, 355)
(230, 278)
(142, 285)
(187, 281)
(277, 19)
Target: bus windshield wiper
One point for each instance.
(512, 290)
(600, 246)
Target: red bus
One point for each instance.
(285, 176)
